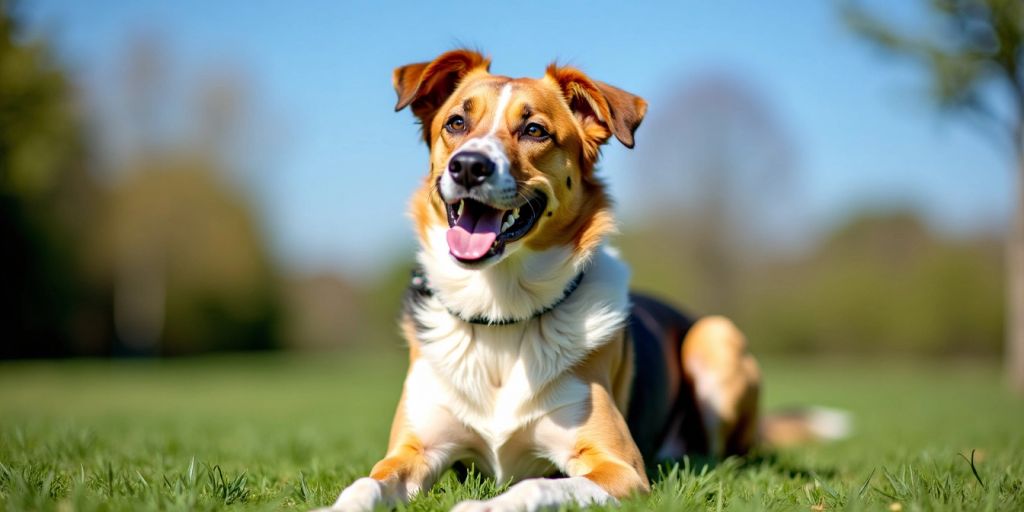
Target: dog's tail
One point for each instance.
(800, 425)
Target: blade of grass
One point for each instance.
(974, 468)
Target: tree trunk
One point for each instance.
(1015, 287)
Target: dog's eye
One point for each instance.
(455, 124)
(536, 131)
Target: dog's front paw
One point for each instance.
(479, 506)
(541, 493)
(363, 495)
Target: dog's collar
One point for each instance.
(421, 286)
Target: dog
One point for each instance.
(528, 355)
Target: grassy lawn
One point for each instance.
(287, 432)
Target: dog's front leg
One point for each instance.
(415, 457)
(394, 479)
(408, 467)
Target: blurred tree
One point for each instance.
(167, 258)
(188, 262)
(711, 173)
(190, 268)
(977, 44)
(49, 306)
(880, 282)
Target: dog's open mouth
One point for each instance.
(478, 231)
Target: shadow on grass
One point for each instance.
(696, 464)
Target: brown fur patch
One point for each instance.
(616, 478)
(426, 85)
(603, 109)
(604, 451)
(404, 462)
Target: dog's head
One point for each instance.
(512, 160)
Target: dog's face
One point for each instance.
(512, 160)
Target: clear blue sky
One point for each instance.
(862, 134)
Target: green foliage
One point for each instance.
(287, 433)
(39, 134)
(46, 199)
(167, 258)
(971, 34)
(885, 283)
(216, 287)
(976, 43)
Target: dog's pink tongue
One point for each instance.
(473, 235)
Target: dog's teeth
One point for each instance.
(461, 204)
(507, 224)
(515, 213)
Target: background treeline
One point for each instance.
(148, 251)
(149, 244)
(878, 282)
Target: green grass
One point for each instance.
(287, 432)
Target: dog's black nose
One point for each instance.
(470, 168)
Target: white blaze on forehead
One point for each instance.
(500, 187)
(503, 100)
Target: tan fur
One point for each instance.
(785, 431)
(404, 464)
(398, 426)
(622, 376)
(604, 451)
(404, 461)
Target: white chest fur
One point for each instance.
(495, 382)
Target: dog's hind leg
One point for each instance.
(725, 380)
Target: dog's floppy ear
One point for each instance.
(426, 85)
(602, 109)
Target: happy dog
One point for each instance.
(528, 355)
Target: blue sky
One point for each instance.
(321, 69)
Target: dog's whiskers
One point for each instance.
(527, 202)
